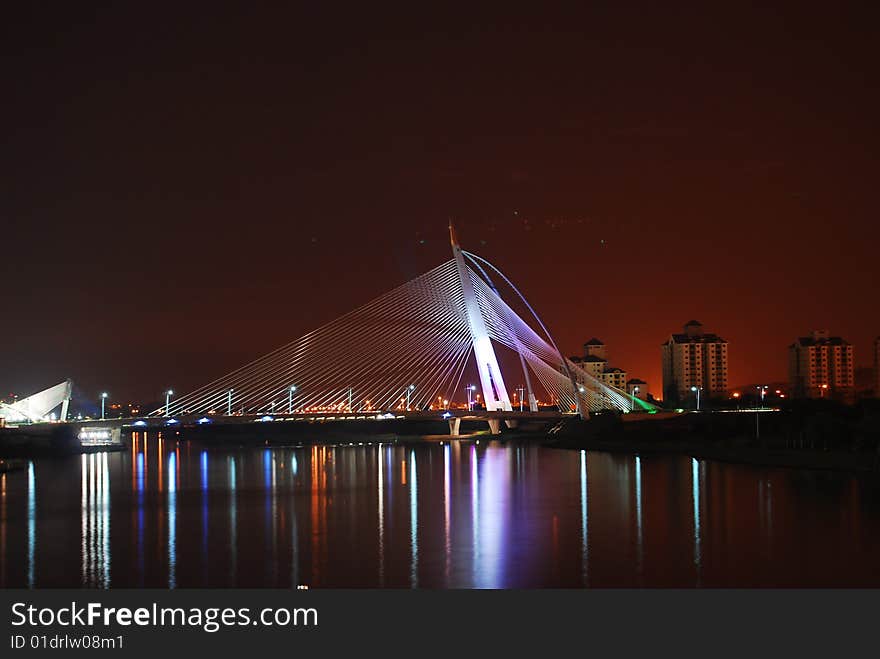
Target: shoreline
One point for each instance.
(861, 463)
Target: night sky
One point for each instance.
(185, 189)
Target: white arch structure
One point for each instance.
(36, 408)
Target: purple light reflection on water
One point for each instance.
(460, 515)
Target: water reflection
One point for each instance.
(203, 471)
(318, 509)
(269, 511)
(494, 493)
(413, 522)
(233, 522)
(84, 521)
(698, 552)
(172, 519)
(380, 466)
(32, 521)
(105, 521)
(475, 516)
(454, 514)
(585, 547)
(273, 564)
(447, 509)
(140, 486)
(3, 516)
(639, 539)
(95, 520)
(294, 534)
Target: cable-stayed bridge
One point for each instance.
(408, 351)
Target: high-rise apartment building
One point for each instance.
(821, 366)
(595, 362)
(694, 358)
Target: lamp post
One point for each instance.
(697, 391)
(634, 391)
(470, 391)
(762, 389)
(290, 393)
(168, 395)
(229, 403)
(409, 391)
(522, 393)
(103, 398)
(822, 390)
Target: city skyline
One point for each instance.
(651, 372)
(605, 373)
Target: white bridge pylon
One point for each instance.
(491, 381)
(408, 350)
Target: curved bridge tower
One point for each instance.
(491, 381)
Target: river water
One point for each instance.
(452, 515)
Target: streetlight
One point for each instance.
(822, 390)
(229, 403)
(522, 393)
(635, 390)
(697, 391)
(470, 390)
(103, 398)
(290, 393)
(168, 395)
(763, 390)
(409, 391)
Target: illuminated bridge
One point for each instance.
(407, 351)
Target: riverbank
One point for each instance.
(51, 439)
(740, 454)
(794, 439)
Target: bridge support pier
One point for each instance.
(454, 426)
(494, 426)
